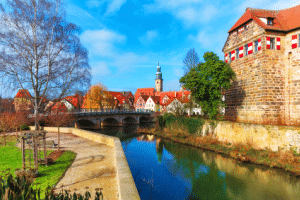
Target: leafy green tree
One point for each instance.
(207, 81)
(191, 60)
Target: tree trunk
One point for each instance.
(17, 134)
(58, 143)
(4, 138)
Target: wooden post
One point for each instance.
(45, 151)
(23, 152)
(35, 152)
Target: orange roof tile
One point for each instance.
(23, 94)
(284, 20)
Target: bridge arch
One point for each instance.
(143, 119)
(84, 123)
(129, 120)
(110, 121)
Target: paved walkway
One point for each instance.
(94, 166)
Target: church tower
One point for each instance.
(158, 80)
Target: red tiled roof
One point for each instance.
(284, 20)
(120, 97)
(59, 106)
(74, 100)
(23, 94)
(143, 91)
(156, 99)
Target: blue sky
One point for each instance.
(127, 38)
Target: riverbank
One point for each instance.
(244, 152)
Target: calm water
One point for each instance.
(166, 170)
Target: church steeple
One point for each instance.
(158, 80)
(158, 73)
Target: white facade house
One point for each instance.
(177, 103)
(152, 103)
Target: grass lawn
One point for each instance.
(11, 158)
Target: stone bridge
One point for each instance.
(97, 119)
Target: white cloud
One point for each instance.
(129, 61)
(100, 69)
(114, 6)
(94, 3)
(189, 11)
(80, 17)
(149, 36)
(101, 42)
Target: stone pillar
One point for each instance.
(98, 124)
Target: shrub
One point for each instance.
(21, 188)
(181, 124)
(25, 127)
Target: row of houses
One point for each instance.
(149, 99)
(144, 99)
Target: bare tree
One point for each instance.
(191, 60)
(40, 51)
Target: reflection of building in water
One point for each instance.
(149, 138)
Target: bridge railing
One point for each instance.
(101, 111)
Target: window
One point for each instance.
(237, 53)
(230, 57)
(299, 40)
(270, 21)
(245, 27)
(246, 50)
(255, 45)
(272, 43)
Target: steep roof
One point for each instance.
(144, 91)
(144, 97)
(284, 20)
(75, 99)
(155, 99)
(119, 96)
(23, 93)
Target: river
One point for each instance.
(165, 170)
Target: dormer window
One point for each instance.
(270, 21)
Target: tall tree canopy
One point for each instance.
(207, 81)
(191, 60)
(98, 97)
(40, 51)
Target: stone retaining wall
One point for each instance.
(126, 185)
(261, 136)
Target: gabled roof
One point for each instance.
(144, 91)
(155, 99)
(119, 96)
(144, 97)
(23, 94)
(284, 20)
(74, 100)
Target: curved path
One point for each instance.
(94, 167)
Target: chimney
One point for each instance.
(175, 94)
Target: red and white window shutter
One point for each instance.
(233, 55)
(278, 43)
(250, 47)
(259, 44)
(268, 43)
(226, 58)
(241, 53)
(294, 41)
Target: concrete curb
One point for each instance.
(126, 186)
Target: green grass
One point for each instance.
(11, 159)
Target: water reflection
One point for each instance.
(166, 170)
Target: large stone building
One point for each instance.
(263, 48)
